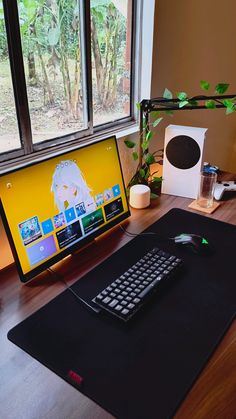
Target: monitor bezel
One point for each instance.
(26, 277)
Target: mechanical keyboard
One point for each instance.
(127, 293)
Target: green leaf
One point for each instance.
(147, 174)
(167, 94)
(135, 155)
(99, 16)
(142, 172)
(210, 104)
(221, 88)
(157, 121)
(149, 158)
(145, 145)
(149, 135)
(204, 85)
(30, 8)
(228, 103)
(97, 3)
(157, 180)
(1, 11)
(129, 144)
(53, 36)
(230, 110)
(181, 95)
(138, 106)
(183, 103)
(144, 123)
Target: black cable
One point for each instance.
(60, 277)
(94, 309)
(136, 234)
(148, 233)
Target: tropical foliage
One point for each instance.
(51, 36)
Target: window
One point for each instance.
(70, 64)
(8, 119)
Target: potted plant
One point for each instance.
(152, 113)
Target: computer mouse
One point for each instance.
(195, 243)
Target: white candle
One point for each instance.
(139, 196)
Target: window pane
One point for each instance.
(50, 33)
(111, 56)
(9, 134)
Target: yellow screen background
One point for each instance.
(30, 192)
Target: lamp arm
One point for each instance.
(162, 104)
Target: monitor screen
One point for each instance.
(53, 207)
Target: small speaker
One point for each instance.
(183, 155)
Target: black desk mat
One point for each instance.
(145, 368)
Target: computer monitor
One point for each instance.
(53, 207)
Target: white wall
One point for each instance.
(195, 40)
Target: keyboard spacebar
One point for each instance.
(150, 287)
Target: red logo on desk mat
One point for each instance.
(75, 378)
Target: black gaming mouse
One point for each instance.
(195, 243)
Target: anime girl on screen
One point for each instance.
(70, 187)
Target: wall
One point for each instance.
(5, 253)
(195, 40)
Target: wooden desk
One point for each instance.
(29, 390)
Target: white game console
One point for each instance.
(222, 187)
(183, 155)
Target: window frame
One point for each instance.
(31, 151)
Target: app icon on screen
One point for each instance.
(41, 250)
(113, 209)
(108, 194)
(69, 234)
(70, 214)
(59, 220)
(30, 230)
(99, 199)
(80, 209)
(116, 190)
(93, 220)
(47, 226)
(90, 205)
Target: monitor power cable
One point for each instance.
(60, 277)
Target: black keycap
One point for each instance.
(126, 294)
